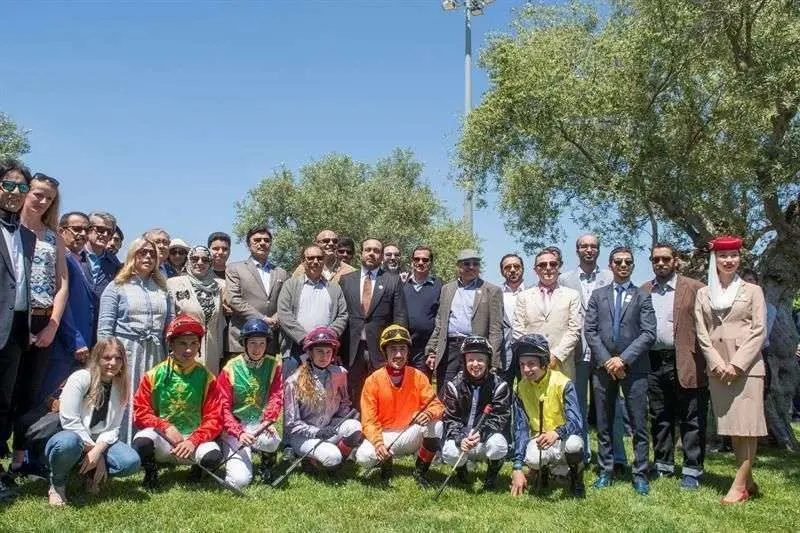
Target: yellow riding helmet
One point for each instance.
(394, 333)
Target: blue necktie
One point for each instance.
(617, 313)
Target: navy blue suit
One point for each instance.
(77, 329)
(109, 267)
(637, 332)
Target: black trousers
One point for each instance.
(606, 390)
(671, 405)
(10, 356)
(32, 368)
(358, 371)
(450, 365)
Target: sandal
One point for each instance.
(57, 496)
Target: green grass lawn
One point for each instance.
(347, 503)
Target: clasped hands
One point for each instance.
(615, 367)
(727, 373)
(182, 448)
(247, 438)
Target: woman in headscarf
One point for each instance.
(200, 293)
(731, 317)
(136, 309)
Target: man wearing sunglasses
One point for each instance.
(99, 265)
(422, 291)
(552, 311)
(620, 329)
(467, 306)
(16, 255)
(512, 268)
(678, 386)
(333, 268)
(78, 325)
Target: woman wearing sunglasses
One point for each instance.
(136, 308)
(48, 297)
(200, 293)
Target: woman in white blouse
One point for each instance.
(91, 407)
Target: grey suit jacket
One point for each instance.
(248, 299)
(289, 306)
(572, 279)
(637, 330)
(8, 281)
(487, 319)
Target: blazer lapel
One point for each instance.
(4, 253)
(256, 276)
(377, 292)
(478, 297)
(627, 298)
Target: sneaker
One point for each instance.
(689, 482)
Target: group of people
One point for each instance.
(174, 355)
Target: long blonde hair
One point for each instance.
(96, 393)
(128, 269)
(307, 390)
(50, 217)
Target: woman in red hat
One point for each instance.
(731, 317)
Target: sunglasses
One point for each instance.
(333, 240)
(619, 262)
(146, 252)
(78, 229)
(178, 251)
(43, 177)
(469, 264)
(657, 260)
(421, 259)
(344, 251)
(21, 186)
(102, 230)
(546, 264)
(312, 258)
(200, 259)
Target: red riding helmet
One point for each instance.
(185, 324)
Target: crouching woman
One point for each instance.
(92, 404)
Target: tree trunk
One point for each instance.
(780, 267)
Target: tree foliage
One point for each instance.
(13, 140)
(388, 200)
(673, 118)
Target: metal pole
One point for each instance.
(468, 185)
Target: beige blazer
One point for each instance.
(185, 300)
(561, 324)
(248, 299)
(736, 337)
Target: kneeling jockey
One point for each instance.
(177, 407)
(250, 391)
(465, 398)
(316, 403)
(391, 397)
(558, 443)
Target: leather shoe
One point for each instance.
(603, 481)
(641, 486)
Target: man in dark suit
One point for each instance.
(620, 327)
(17, 244)
(374, 299)
(77, 328)
(467, 306)
(253, 287)
(678, 386)
(99, 266)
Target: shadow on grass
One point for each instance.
(115, 489)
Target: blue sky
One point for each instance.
(165, 114)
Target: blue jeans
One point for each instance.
(65, 449)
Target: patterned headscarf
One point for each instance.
(206, 287)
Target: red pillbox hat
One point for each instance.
(725, 243)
